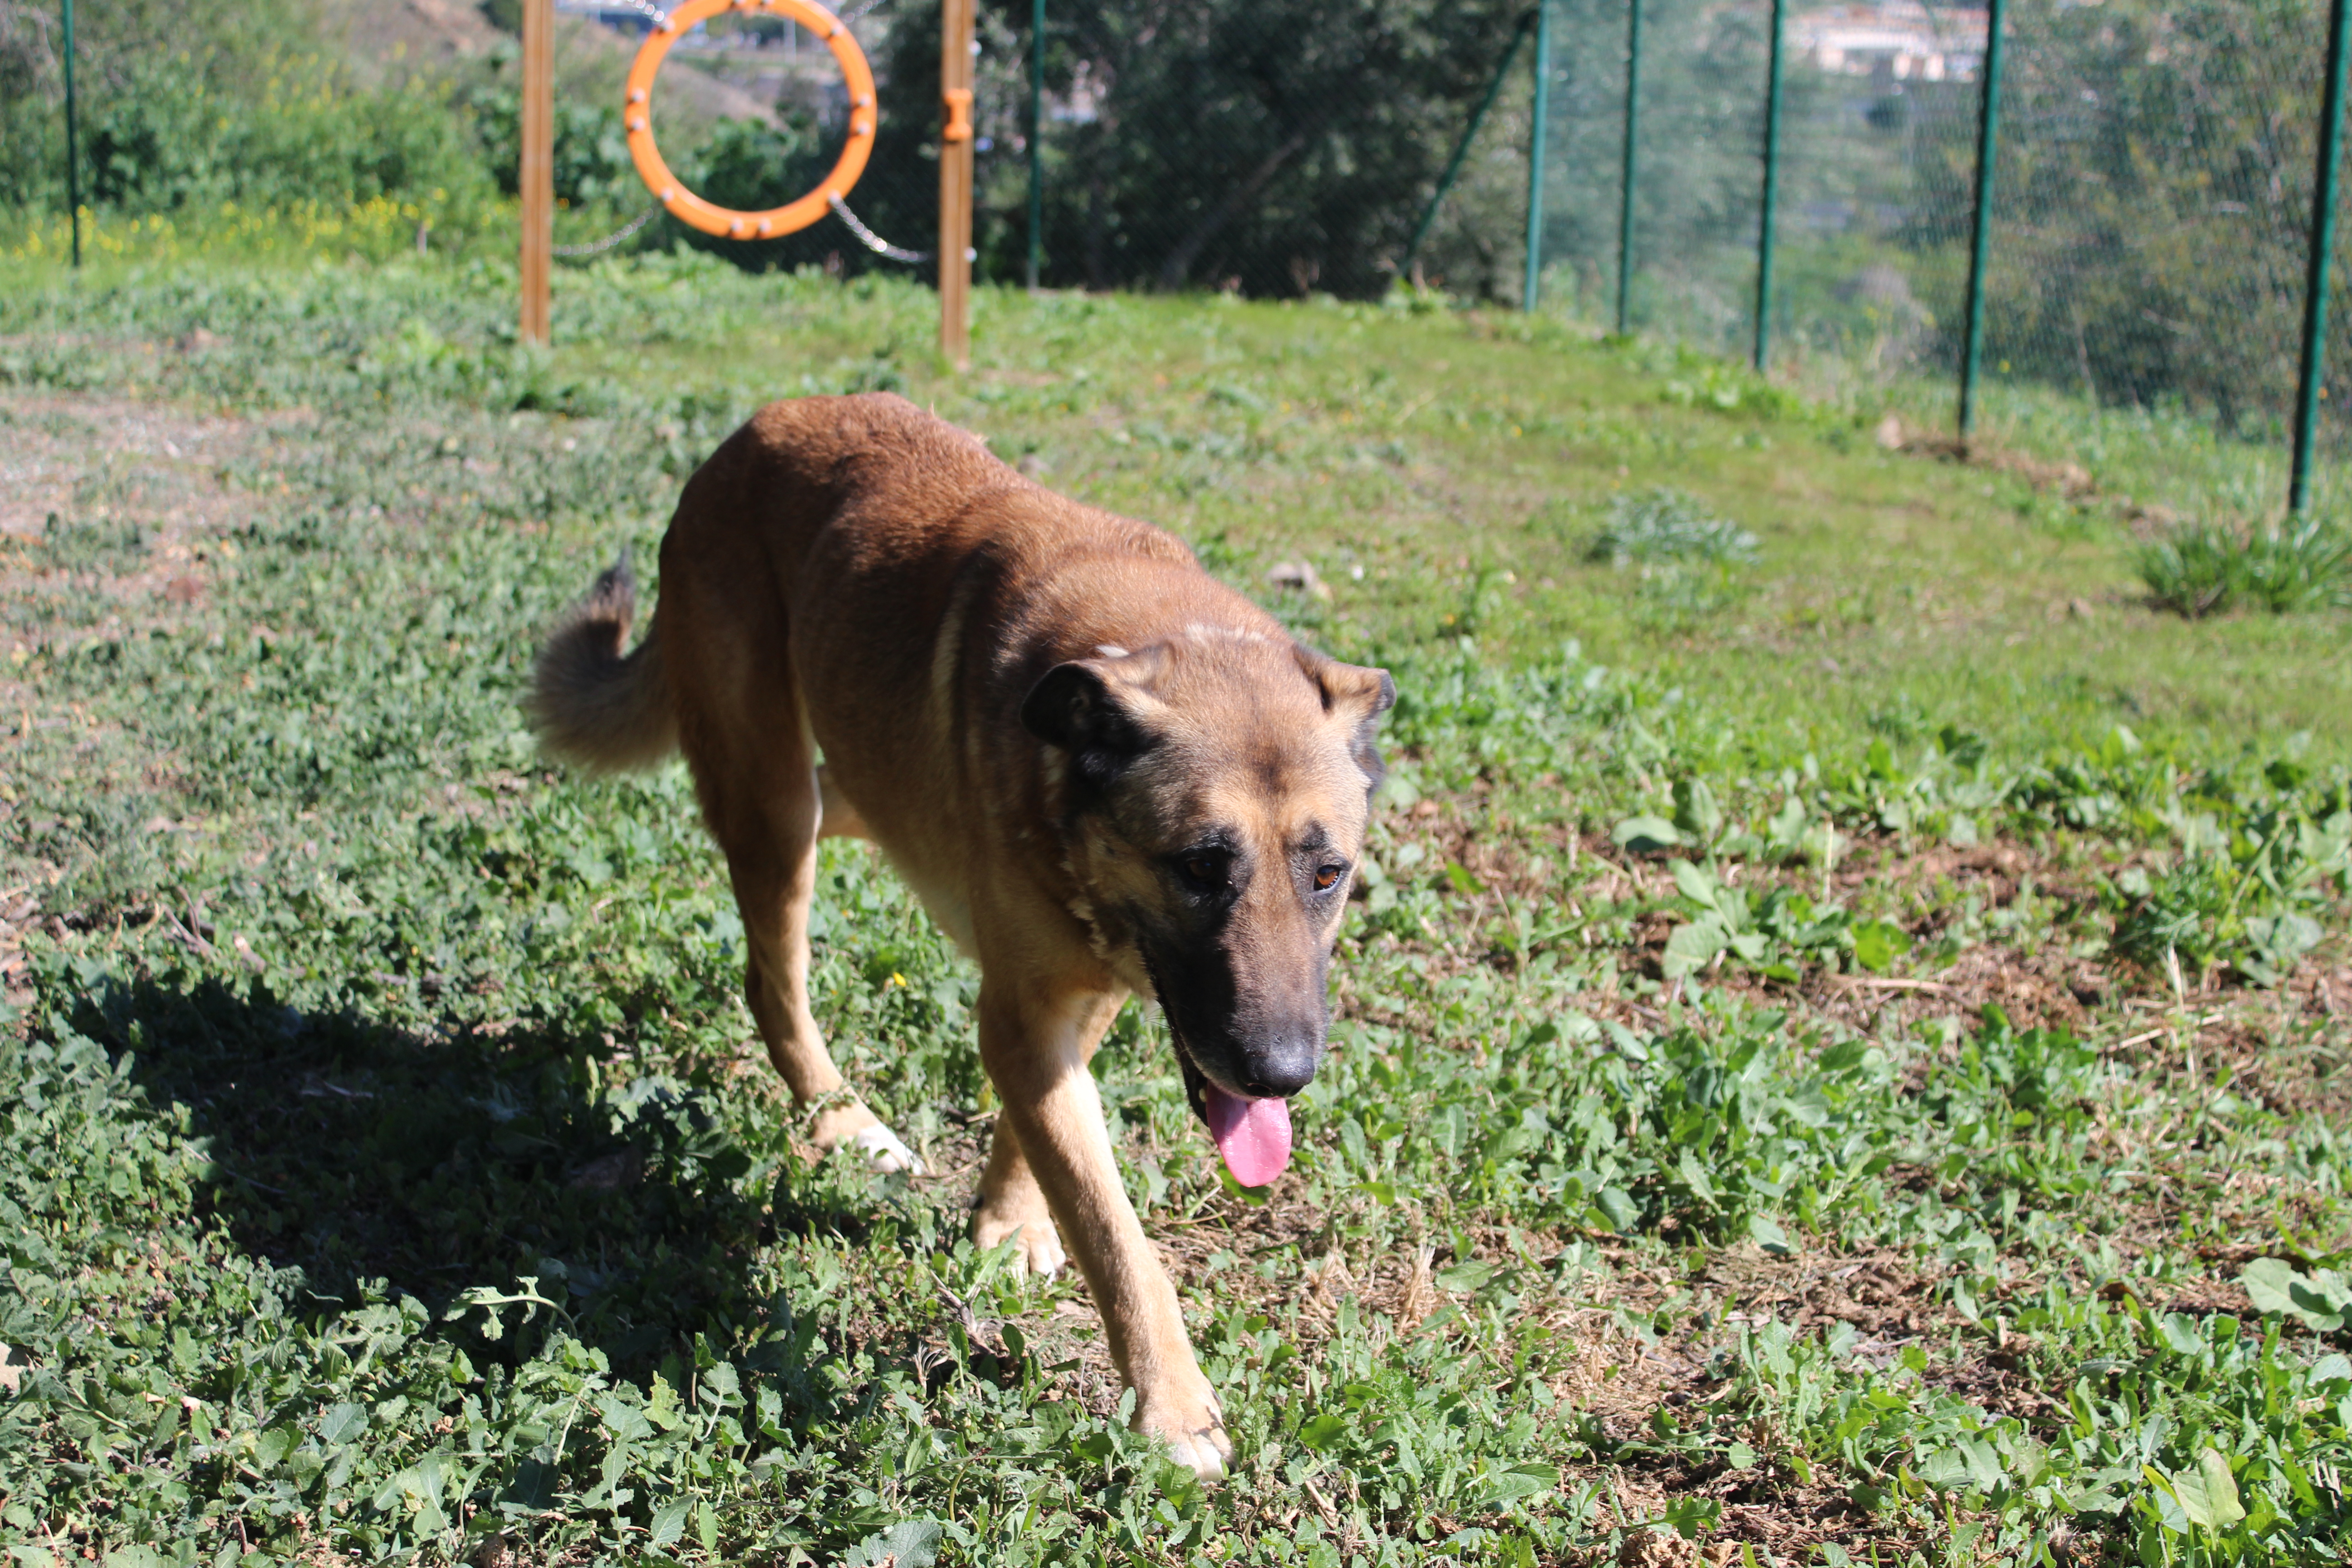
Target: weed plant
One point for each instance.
(1666, 525)
(2202, 568)
(1814, 1080)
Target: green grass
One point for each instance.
(1840, 1052)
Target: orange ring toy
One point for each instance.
(637, 116)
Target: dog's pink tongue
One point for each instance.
(1254, 1135)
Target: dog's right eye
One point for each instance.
(1206, 872)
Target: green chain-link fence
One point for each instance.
(2150, 221)
(2146, 253)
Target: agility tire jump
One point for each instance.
(710, 218)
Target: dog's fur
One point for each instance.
(1104, 772)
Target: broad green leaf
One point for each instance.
(2320, 1300)
(343, 1423)
(1466, 1277)
(1641, 832)
(2208, 1494)
(1519, 1482)
(1693, 946)
(1323, 1431)
(669, 1523)
(1619, 1207)
(1878, 943)
(1695, 883)
(1694, 1176)
(1695, 812)
(912, 1545)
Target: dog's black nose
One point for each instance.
(1281, 1068)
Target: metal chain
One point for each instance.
(657, 16)
(611, 239)
(871, 240)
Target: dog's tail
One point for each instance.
(593, 705)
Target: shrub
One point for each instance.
(1665, 524)
(2202, 568)
(591, 152)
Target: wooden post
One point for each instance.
(955, 181)
(537, 174)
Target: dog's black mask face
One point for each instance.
(1215, 808)
(1241, 968)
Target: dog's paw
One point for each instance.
(1194, 1432)
(887, 1151)
(854, 1125)
(1037, 1244)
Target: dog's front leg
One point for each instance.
(1036, 1048)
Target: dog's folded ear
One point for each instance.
(1356, 693)
(1095, 709)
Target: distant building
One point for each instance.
(1897, 40)
(620, 18)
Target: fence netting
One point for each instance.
(2151, 217)
(2151, 208)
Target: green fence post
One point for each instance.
(1631, 164)
(1036, 140)
(1461, 148)
(73, 141)
(2322, 240)
(1981, 249)
(1542, 119)
(1771, 194)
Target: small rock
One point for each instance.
(197, 340)
(184, 590)
(1889, 434)
(1032, 464)
(2080, 609)
(1300, 577)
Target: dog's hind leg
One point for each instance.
(760, 795)
(1011, 1204)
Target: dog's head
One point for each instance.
(1215, 791)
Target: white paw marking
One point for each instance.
(1200, 1455)
(1043, 1254)
(887, 1152)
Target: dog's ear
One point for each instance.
(1359, 696)
(1098, 709)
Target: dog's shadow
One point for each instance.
(354, 1152)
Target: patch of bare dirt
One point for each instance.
(2069, 479)
(94, 458)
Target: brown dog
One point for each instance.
(1103, 772)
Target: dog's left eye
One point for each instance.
(1327, 877)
